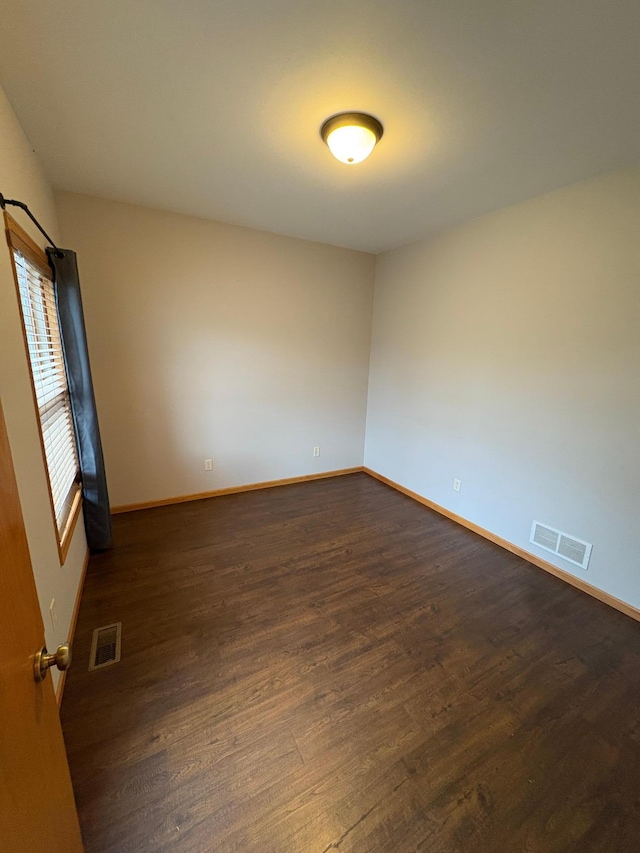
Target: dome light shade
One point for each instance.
(351, 137)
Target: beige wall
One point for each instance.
(22, 178)
(506, 353)
(213, 341)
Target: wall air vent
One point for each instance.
(568, 547)
(105, 646)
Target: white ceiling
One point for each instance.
(212, 107)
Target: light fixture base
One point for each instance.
(350, 119)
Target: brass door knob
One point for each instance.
(43, 661)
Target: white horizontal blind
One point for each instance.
(50, 381)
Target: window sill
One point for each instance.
(66, 535)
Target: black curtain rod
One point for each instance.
(5, 201)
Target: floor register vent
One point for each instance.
(105, 646)
(568, 547)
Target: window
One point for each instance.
(51, 393)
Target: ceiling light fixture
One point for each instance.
(351, 137)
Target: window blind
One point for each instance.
(50, 382)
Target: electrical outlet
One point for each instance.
(208, 464)
(53, 612)
(316, 451)
(457, 485)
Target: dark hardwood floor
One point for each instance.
(331, 667)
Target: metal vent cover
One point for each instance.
(570, 548)
(105, 646)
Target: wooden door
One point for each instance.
(37, 808)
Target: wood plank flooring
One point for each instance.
(331, 667)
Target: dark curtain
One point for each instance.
(97, 516)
